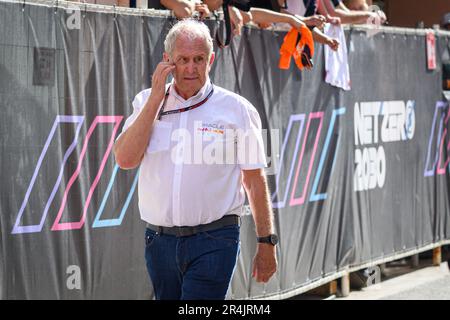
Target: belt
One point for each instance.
(227, 220)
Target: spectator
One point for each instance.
(336, 8)
(182, 8)
(263, 14)
(264, 18)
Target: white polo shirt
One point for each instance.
(185, 179)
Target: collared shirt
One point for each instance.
(185, 179)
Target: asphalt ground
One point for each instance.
(424, 283)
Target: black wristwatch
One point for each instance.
(271, 239)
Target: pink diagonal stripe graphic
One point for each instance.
(301, 200)
(77, 225)
(441, 170)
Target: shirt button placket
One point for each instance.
(178, 172)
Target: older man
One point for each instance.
(191, 199)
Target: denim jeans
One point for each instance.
(195, 267)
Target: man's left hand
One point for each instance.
(264, 262)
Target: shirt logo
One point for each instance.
(211, 129)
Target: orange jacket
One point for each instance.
(300, 45)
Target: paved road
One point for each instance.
(434, 290)
(431, 283)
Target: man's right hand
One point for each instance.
(130, 146)
(159, 79)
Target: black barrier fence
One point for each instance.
(362, 175)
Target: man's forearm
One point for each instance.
(352, 16)
(259, 199)
(130, 147)
(267, 16)
(319, 36)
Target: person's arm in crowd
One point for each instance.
(353, 17)
(186, 8)
(323, 9)
(264, 17)
(255, 184)
(129, 149)
(236, 19)
(311, 21)
(320, 37)
(317, 20)
(213, 4)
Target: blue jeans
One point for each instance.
(196, 267)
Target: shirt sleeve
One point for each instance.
(137, 104)
(250, 143)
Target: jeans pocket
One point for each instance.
(228, 234)
(150, 237)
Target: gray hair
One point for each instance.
(193, 29)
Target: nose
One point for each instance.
(191, 67)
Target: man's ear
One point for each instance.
(165, 57)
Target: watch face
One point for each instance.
(274, 239)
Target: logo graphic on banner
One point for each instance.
(397, 124)
(57, 225)
(438, 154)
(279, 197)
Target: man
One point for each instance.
(192, 209)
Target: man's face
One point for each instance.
(192, 65)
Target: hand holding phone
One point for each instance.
(159, 78)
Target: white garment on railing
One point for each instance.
(336, 62)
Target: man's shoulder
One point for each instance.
(141, 98)
(232, 97)
(144, 93)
